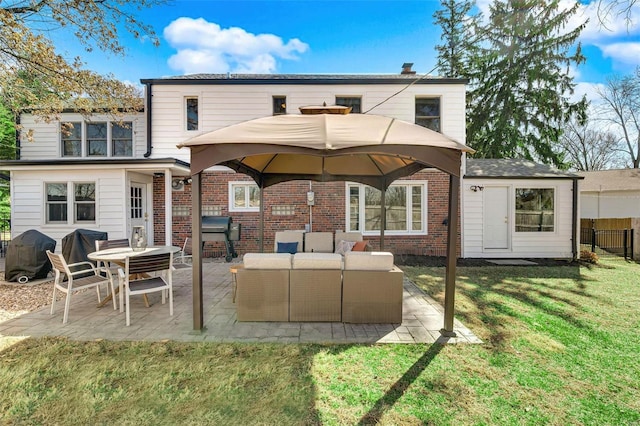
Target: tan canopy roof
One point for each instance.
(371, 149)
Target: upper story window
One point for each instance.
(71, 134)
(191, 113)
(122, 140)
(244, 197)
(406, 208)
(279, 105)
(428, 113)
(96, 139)
(81, 206)
(355, 102)
(535, 209)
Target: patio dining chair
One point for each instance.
(108, 268)
(184, 258)
(135, 278)
(73, 283)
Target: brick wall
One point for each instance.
(328, 213)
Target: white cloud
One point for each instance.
(627, 53)
(205, 47)
(590, 90)
(603, 26)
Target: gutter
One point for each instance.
(148, 118)
(17, 153)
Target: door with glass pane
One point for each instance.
(138, 215)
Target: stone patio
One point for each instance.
(422, 319)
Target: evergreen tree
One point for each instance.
(522, 84)
(457, 24)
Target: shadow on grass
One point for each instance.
(397, 390)
(489, 295)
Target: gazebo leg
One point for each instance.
(452, 243)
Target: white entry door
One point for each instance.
(496, 217)
(138, 207)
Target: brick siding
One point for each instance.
(328, 213)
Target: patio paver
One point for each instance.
(422, 319)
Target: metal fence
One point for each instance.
(617, 241)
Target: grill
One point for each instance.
(221, 228)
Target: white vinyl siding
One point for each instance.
(522, 244)
(47, 137)
(28, 202)
(222, 106)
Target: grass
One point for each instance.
(561, 347)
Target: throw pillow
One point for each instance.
(359, 246)
(291, 248)
(344, 246)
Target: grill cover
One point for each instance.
(79, 243)
(27, 256)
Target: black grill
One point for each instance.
(221, 228)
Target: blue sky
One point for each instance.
(316, 36)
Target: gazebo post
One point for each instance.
(196, 238)
(383, 217)
(452, 242)
(261, 225)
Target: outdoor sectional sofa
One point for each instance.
(359, 287)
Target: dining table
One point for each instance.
(119, 255)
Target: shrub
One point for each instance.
(589, 257)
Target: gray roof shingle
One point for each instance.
(513, 168)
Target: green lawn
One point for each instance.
(562, 347)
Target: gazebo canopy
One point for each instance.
(370, 149)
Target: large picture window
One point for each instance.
(535, 209)
(83, 202)
(244, 197)
(405, 204)
(99, 139)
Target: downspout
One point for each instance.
(574, 221)
(147, 108)
(17, 129)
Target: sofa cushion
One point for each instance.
(321, 242)
(368, 261)
(267, 261)
(344, 246)
(288, 237)
(291, 248)
(317, 261)
(360, 246)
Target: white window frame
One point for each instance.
(402, 183)
(439, 117)
(84, 142)
(359, 97)
(555, 209)
(71, 203)
(186, 118)
(246, 185)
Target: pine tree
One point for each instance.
(520, 100)
(457, 36)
